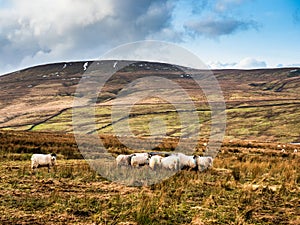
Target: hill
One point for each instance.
(251, 182)
(261, 105)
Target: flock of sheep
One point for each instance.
(155, 160)
(175, 161)
(283, 148)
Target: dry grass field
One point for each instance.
(250, 183)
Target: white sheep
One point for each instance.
(155, 161)
(170, 162)
(186, 161)
(204, 162)
(283, 150)
(123, 160)
(295, 150)
(43, 160)
(139, 159)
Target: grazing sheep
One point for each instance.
(283, 150)
(155, 161)
(170, 162)
(204, 162)
(139, 159)
(295, 150)
(43, 160)
(187, 162)
(123, 160)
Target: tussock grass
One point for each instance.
(250, 183)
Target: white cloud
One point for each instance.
(223, 5)
(39, 31)
(42, 31)
(246, 63)
(250, 63)
(212, 27)
(216, 18)
(288, 65)
(219, 65)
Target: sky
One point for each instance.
(242, 34)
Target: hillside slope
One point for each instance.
(261, 104)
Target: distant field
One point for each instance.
(250, 183)
(261, 105)
(271, 122)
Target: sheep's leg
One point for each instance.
(33, 169)
(32, 166)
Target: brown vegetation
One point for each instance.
(251, 183)
(261, 104)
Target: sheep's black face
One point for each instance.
(53, 156)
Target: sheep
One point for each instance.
(139, 159)
(163, 154)
(155, 161)
(204, 162)
(123, 160)
(185, 161)
(170, 162)
(295, 150)
(283, 150)
(43, 160)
